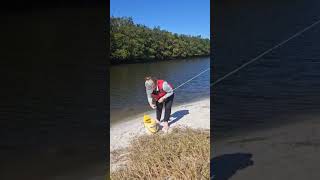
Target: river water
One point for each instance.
(280, 86)
(127, 91)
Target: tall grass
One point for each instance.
(181, 154)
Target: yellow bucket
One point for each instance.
(150, 124)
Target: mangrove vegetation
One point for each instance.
(130, 42)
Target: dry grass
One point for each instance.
(181, 154)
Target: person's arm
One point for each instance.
(167, 88)
(149, 96)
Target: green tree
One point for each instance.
(130, 41)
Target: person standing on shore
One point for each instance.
(159, 93)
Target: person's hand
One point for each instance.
(161, 100)
(153, 106)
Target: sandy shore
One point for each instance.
(196, 115)
(286, 152)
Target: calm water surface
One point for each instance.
(127, 91)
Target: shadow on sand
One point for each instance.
(224, 166)
(178, 115)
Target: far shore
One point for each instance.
(138, 61)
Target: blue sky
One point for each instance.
(191, 17)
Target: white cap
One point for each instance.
(149, 86)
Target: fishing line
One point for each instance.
(191, 79)
(264, 53)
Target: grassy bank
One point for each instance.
(182, 154)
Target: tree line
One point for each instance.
(132, 42)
